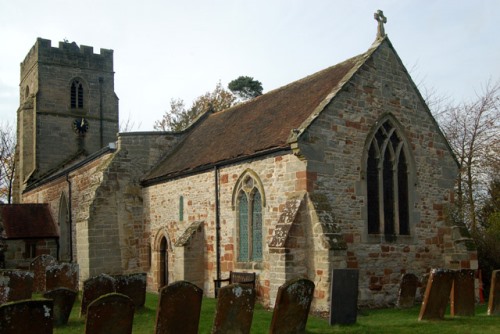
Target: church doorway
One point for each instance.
(163, 262)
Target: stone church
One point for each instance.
(345, 168)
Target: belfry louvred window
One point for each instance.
(387, 183)
(76, 94)
(249, 216)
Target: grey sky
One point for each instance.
(181, 49)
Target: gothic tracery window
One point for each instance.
(249, 203)
(76, 94)
(387, 183)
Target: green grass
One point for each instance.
(369, 321)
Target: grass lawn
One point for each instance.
(369, 321)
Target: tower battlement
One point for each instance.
(67, 54)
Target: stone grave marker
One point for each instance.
(291, 310)
(407, 290)
(344, 296)
(26, 317)
(437, 295)
(423, 286)
(494, 299)
(234, 310)
(63, 300)
(15, 285)
(179, 308)
(132, 285)
(462, 295)
(38, 266)
(110, 313)
(94, 287)
(61, 275)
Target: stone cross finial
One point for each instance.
(381, 19)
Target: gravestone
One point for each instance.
(63, 300)
(179, 308)
(111, 313)
(437, 295)
(95, 287)
(423, 285)
(344, 296)
(61, 275)
(234, 311)
(291, 310)
(134, 286)
(462, 295)
(38, 266)
(494, 299)
(26, 317)
(407, 290)
(15, 285)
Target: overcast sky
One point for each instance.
(166, 49)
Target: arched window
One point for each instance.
(387, 182)
(76, 94)
(249, 203)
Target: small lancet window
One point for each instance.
(387, 183)
(76, 94)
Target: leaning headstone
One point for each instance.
(26, 317)
(61, 275)
(234, 311)
(179, 308)
(407, 290)
(291, 310)
(132, 285)
(437, 295)
(462, 295)
(494, 300)
(95, 287)
(111, 313)
(38, 266)
(63, 300)
(344, 296)
(15, 285)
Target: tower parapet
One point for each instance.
(67, 54)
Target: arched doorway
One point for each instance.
(163, 262)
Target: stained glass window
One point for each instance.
(257, 227)
(243, 254)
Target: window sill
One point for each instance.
(389, 239)
(250, 265)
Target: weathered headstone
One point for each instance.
(344, 296)
(437, 295)
(38, 266)
(462, 295)
(234, 311)
(111, 313)
(494, 299)
(407, 290)
(26, 317)
(63, 300)
(61, 275)
(15, 285)
(132, 285)
(291, 310)
(179, 308)
(95, 287)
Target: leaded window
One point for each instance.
(387, 183)
(249, 203)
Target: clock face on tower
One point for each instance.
(80, 125)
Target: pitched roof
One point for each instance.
(262, 125)
(24, 221)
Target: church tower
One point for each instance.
(68, 109)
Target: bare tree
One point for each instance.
(179, 118)
(472, 129)
(7, 161)
(128, 125)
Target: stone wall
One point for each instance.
(381, 88)
(106, 204)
